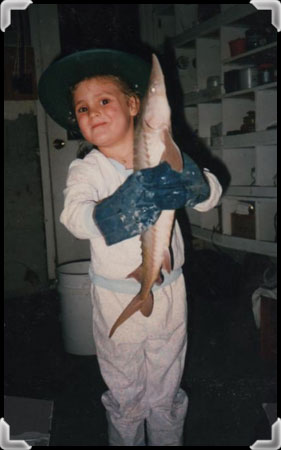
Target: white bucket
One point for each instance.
(76, 307)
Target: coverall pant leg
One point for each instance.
(142, 365)
(167, 401)
(122, 365)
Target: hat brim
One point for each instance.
(55, 83)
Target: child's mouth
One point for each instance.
(98, 125)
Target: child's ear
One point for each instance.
(134, 105)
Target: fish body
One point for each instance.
(153, 144)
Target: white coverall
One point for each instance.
(143, 362)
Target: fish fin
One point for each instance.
(134, 306)
(147, 307)
(137, 274)
(172, 154)
(167, 263)
(159, 279)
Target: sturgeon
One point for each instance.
(153, 144)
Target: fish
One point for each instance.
(153, 143)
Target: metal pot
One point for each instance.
(248, 78)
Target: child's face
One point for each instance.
(104, 113)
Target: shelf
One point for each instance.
(237, 196)
(244, 92)
(259, 192)
(249, 157)
(248, 245)
(210, 26)
(244, 57)
(215, 96)
(203, 96)
(266, 137)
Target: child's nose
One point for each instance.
(94, 111)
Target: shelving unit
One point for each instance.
(202, 51)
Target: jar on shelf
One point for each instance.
(248, 125)
(266, 73)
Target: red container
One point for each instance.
(237, 46)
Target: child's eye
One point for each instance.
(82, 109)
(104, 101)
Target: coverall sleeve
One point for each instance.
(215, 193)
(80, 198)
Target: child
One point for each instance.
(142, 364)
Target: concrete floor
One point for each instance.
(225, 378)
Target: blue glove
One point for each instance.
(137, 204)
(173, 190)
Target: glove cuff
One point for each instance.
(197, 186)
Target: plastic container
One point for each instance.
(76, 307)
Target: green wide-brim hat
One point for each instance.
(54, 88)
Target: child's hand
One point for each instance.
(137, 204)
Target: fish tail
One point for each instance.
(147, 307)
(138, 303)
